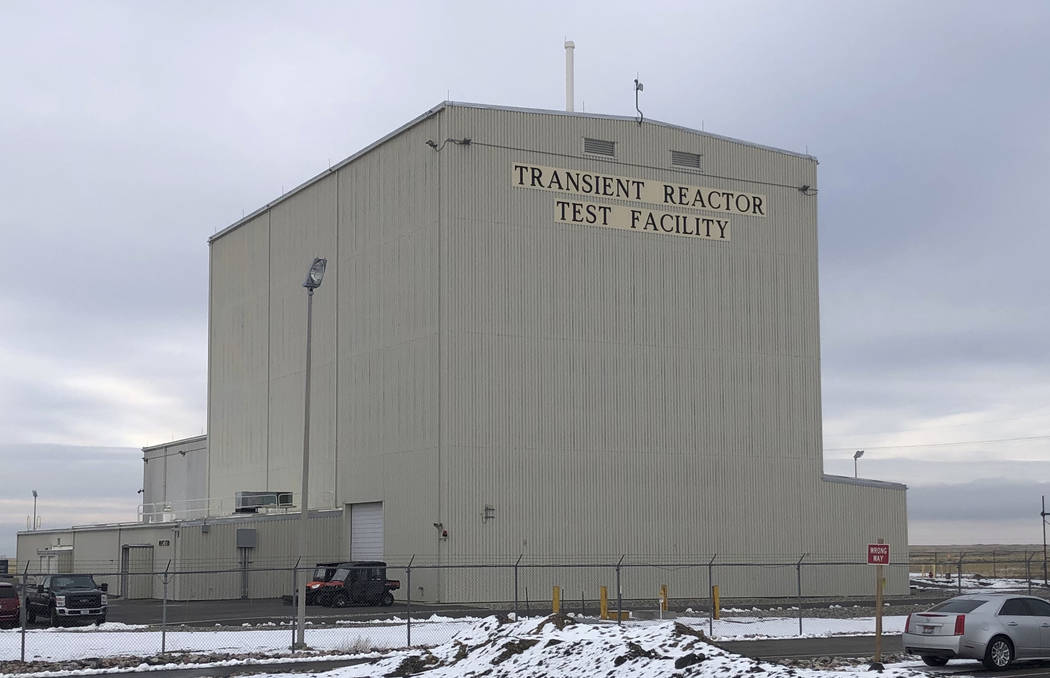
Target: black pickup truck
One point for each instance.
(62, 597)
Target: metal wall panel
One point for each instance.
(388, 416)
(175, 480)
(214, 547)
(617, 392)
(238, 363)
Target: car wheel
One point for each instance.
(1000, 653)
(340, 600)
(30, 615)
(930, 660)
(387, 600)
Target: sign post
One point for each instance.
(878, 555)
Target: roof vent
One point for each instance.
(599, 147)
(685, 159)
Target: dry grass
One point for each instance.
(987, 560)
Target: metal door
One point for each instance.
(137, 566)
(366, 531)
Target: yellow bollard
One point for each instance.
(714, 601)
(604, 602)
(556, 600)
(663, 598)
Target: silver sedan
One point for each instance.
(994, 628)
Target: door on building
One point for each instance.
(136, 571)
(366, 531)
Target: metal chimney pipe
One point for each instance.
(569, 47)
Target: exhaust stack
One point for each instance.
(570, 46)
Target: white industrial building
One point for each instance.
(558, 336)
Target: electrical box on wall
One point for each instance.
(247, 538)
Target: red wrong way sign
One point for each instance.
(878, 554)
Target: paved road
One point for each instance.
(864, 646)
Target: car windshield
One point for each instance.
(73, 581)
(342, 574)
(958, 605)
(7, 592)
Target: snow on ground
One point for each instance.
(74, 643)
(114, 639)
(755, 628)
(970, 583)
(557, 646)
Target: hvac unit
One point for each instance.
(251, 502)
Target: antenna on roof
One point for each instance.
(638, 87)
(570, 47)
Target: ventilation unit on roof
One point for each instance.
(599, 147)
(251, 502)
(685, 159)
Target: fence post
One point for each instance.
(295, 573)
(516, 563)
(619, 593)
(164, 613)
(798, 578)
(1028, 570)
(408, 585)
(25, 582)
(994, 575)
(961, 556)
(710, 591)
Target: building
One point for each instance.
(561, 336)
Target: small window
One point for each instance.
(685, 159)
(7, 592)
(599, 147)
(1039, 608)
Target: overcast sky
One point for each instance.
(130, 132)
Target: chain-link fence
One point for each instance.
(365, 607)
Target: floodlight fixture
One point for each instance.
(316, 274)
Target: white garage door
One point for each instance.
(366, 531)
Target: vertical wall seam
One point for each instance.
(335, 353)
(269, 312)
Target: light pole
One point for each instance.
(856, 455)
(313, 281)
(34, 509)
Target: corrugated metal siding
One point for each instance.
(238, 363)
(301, 228)
(388, 346)
(615, 392)
(277, 546)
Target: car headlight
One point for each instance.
(60, 601)
(104, 599)
(315, 586)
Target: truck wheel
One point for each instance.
(340, 600)
(387, 600)
(53, 619)
(30, 615)
(100, 620)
